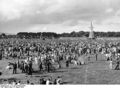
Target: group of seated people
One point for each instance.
(42, 81)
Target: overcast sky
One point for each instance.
(59, 15)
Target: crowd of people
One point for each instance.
(46, 53)
(42, 81)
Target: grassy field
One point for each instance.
(94, 72)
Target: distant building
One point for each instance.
(91, 34)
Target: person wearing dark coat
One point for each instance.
(15, 68)
(40, 66)
(67, 63)
(30, 68)
(117, 66)
(22, 67)
(0, 55)
(48, 66)
(18, 63)
(26, 68)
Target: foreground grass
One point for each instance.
(94, 72)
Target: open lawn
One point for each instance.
(94, 72)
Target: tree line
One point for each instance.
(29, 35)
(72, 34)
(37, 35)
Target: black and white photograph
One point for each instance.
(59, 42)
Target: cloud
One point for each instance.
(13, 9)
(31, 15)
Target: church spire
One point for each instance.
(91, 34)
(92, 26)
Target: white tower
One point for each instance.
(91, 34)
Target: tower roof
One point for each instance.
(91, 34)
(91, 26)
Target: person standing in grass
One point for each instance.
(118, 63)
(40, 66)
(15, 68)
(117, 66)
(0, 55)
(30, 68)
(110, 64)
(67, 63)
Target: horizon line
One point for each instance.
(55, 32)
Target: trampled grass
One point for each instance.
(94, 72)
